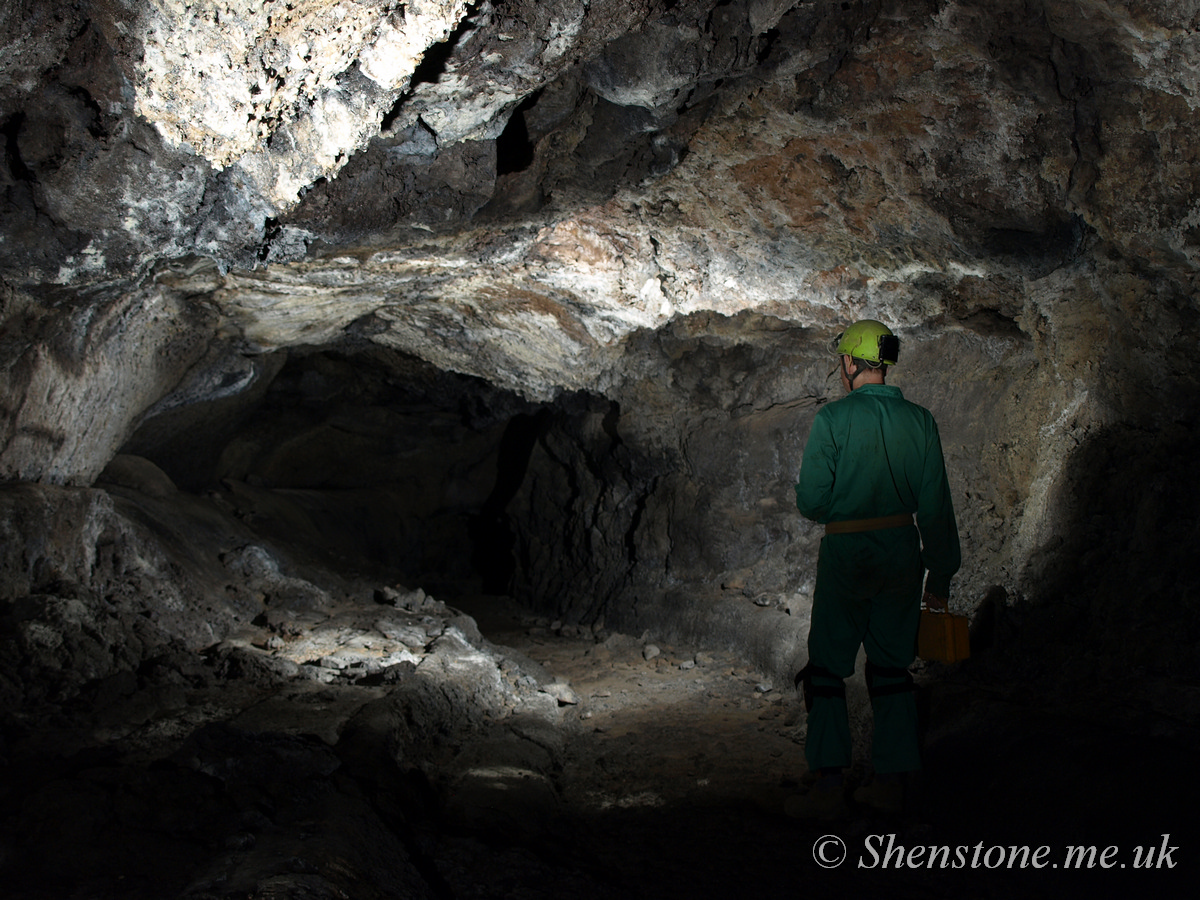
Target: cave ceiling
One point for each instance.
(512, 189)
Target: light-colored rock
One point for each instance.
(561, 692)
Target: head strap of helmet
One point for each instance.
(860, 366)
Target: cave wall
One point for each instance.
(1049, 462)
(680, 493)
(643, 221)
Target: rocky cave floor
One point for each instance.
(393, 744)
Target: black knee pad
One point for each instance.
(809, 691)
(874, 671)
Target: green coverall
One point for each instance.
(871, 454)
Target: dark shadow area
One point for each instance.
(1077, 718)
(492, 537)
(514, 149)
(1052, 247)
(1120, 593)
(365, 462)
(11, 129)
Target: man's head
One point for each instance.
(866, 349)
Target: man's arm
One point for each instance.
(814, 493)
(940, 550)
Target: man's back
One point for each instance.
(872, 453)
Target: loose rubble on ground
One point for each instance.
(368, 741)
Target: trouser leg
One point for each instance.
(895, 745)
(838, 624)
(891, 642)
(827, 744)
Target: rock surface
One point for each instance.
(299, 300)
(563, 199)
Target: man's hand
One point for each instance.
(933, 602)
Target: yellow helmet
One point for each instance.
(870, 341)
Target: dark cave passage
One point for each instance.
(365, 462)
(492, 537)
(373, 462)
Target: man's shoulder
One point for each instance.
(874, 393)
(888, 394)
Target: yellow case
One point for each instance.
(943, 637)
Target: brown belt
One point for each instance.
(853, 525)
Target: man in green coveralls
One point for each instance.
(873, 461)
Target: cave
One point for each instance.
(402, 404)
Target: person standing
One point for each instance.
(873, 462)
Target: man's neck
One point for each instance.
(870, 377)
